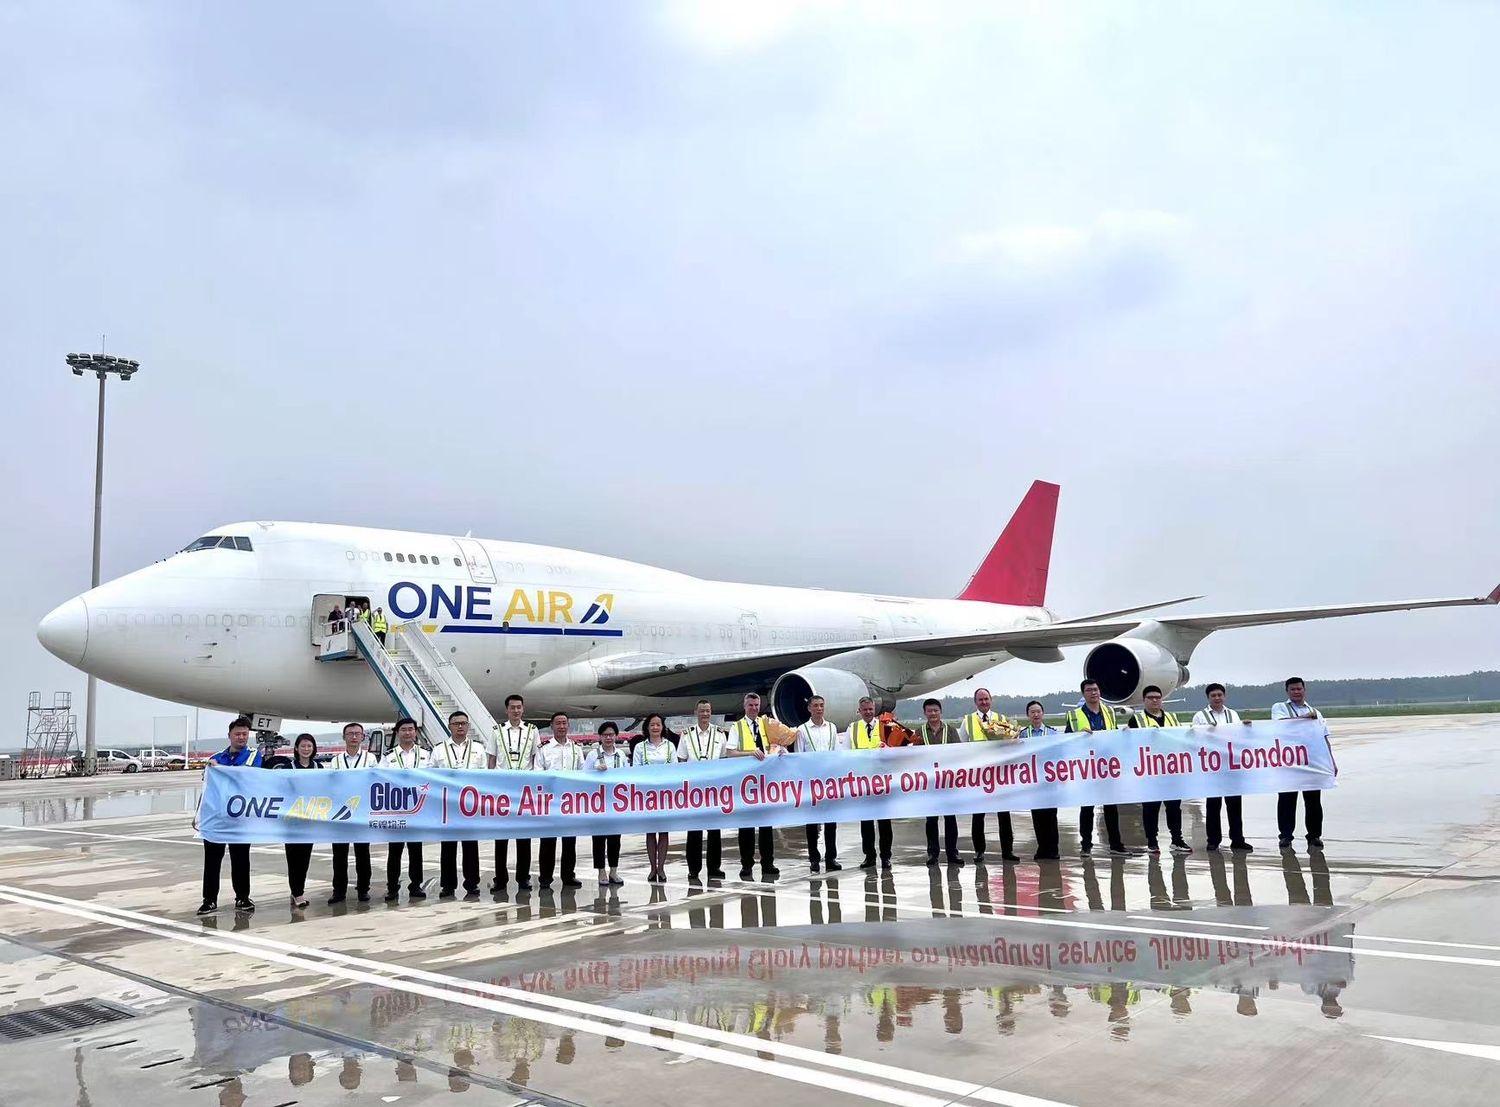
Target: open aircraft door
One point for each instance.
(472, 552)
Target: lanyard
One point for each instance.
(823, 728)
(416, 756)
(512, 751)
(699, 749)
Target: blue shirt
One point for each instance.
(1095, 718)
(246, 756)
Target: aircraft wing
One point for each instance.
(664, 674)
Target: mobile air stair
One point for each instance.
(421, 683)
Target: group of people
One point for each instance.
(354, 610)
(521, 746)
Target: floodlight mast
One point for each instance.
(101, 365)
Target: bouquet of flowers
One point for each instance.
(894, 734)
(1000, 729)
(780, 734)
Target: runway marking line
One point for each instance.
(1074, 919)
(1463, 1049)
(591, 1018)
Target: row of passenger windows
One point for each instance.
(414, 559)
(219, 542)
(227, 620)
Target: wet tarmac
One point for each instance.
(1368, 973)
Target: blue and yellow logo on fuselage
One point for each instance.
(472, 610)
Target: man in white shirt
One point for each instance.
(515, 749)
(817, 735)
(407, 756)
(459, 752)
(751, 739)
(558, 754)
(1218, 714)
(703, 742)
(355, 756)
(1295, 706)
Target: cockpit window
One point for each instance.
(220, 542)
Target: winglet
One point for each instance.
(1015, 570)
(1494, 596)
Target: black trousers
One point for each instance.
(341, 867)
(830, 842)
(239, 870)
(448, 866)
(867, 835)
(1231, 804)
(1044, 826)
(607, 844)
(695, 851)
(1111, 825)
(1007, 834)
(298, 858)
(950, 836)
(548, 859)
(393, 867)
(1286, 814)
(1150, 813)
(764, 837)
(523, 859)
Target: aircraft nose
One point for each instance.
(65, 631)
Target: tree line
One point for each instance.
(1365, 692)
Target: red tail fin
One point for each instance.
(1015, 571)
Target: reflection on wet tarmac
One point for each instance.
(821, 963)
(114, 803)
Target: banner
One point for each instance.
(1066, 770)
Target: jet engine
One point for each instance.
(841, 692)
(1125, 666)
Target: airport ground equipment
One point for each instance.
(51, 736)
(421, 683)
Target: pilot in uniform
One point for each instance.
(1295, 706)
(558, 754)
(353, 757)
(1218, 714)
(703, 742)
(459, 752)
(515, 750)
(406, 756)
(817, 735)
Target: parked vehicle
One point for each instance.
(109, 761)
(157, 759)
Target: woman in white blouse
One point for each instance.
(655, 750)
(607, 846)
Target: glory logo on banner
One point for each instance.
(1121, 766)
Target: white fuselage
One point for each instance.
(236, 629)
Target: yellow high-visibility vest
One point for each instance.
(747, 734)
(1079, 721)
(1169, 718)
(976, 730)
(378, 623)
(863, 735)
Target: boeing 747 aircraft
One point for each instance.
(240, 620)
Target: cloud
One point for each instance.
(1020, 285)
(732, 26)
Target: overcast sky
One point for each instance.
(802, 294)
